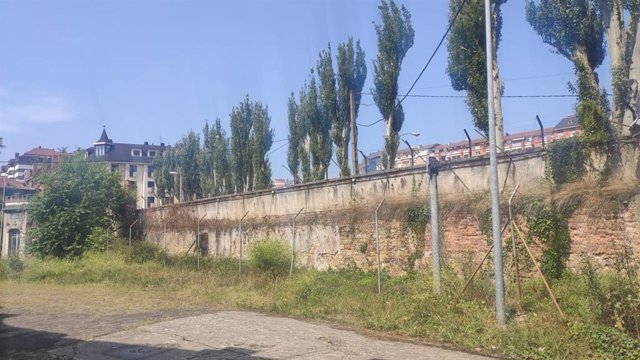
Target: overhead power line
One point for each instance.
(435, 51)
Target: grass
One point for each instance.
(406, 306)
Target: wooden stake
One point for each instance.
(546, 284)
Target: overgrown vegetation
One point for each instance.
(551, 228)
(565, 160)
(417, 217)
(405, 307)
(77, 198)
(270, 257)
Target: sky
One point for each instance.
(153, 70)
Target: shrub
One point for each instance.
(271, 257)
(101, 239)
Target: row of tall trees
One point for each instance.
(324, 114)
(219, 164)
(579, 30)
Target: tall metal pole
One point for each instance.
(241, 240)
(4, 192)
(366, 161)
(432, 170)
(378, 243)
(293, 243)
(130, 226)
(493, 181)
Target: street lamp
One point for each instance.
(180, 175)
(406, 142)
(366, 161)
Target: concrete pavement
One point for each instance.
(245, 335)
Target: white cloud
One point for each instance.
(19, 111)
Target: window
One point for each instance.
(132, 185)
(133, 170)
(150, 201)
(136, 152)
(14, 242)
(150, 171)
(150, 184)
(115, 167)
(152, 153)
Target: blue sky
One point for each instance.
(153, 70)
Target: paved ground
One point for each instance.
(218, 335)
(48, 321)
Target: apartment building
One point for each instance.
(134, 163)
(23, 168)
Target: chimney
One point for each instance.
(146, 143)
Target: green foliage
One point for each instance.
(261, 141)
(321, 145)
(597, 132)
(251, 139)
(101, 239)
(14, 264)
(215, 175)
(568, 25)
(405, 307)
(352, 72)
(565, 160)
(314, 154)
(552, 229)
(615, 296)
(187, 156)
(295, 138)
(77, 197)
(395, 37)
(166, 183)
(417, 217)
(467, 66)
(270, 257)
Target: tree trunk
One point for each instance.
(390, 159)
(588, 88)
(633, 111)
(612, 20)
(344, 161)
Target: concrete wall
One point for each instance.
(336, 225)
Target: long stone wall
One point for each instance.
(335, 227)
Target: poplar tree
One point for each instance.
(328, 105)
(352, 73)
(241, 122)
(395, 38)
(187, 162)
(295, 138)
(575, 30)
(620, 20)
(467, 65)
(260, 142)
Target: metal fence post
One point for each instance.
(378, 242)
(293, 243)
(432, 166)
(241, 240)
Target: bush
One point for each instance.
(10, 265)
(101, 239)
(271, 257)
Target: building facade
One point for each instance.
(15, 219)
(464, 149)
(134, 164)
(23, 168)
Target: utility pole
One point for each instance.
(354, 135)
(493, 181)
(432, 170)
